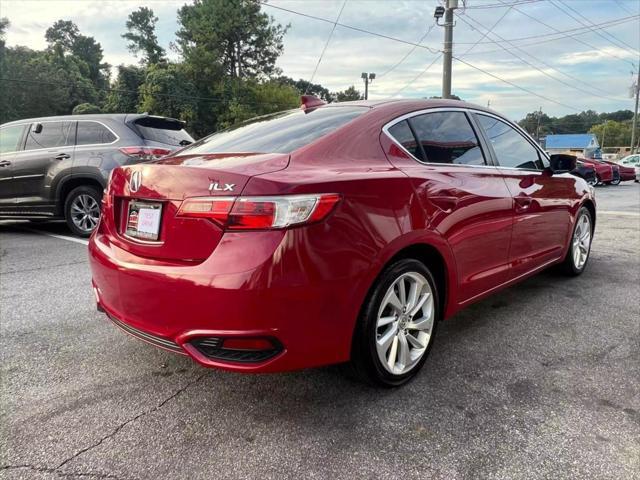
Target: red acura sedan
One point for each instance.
(333, 233)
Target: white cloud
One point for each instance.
(351, 52)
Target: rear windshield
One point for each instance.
(163, 131)
(281, 132)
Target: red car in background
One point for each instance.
(333, 233)
(625, 173)
(604, 171)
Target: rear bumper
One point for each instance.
(255, 284)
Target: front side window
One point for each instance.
(447, 137)
(511, 148)
(52, 135)
(281, 132)
(93, 133)
(10, 138)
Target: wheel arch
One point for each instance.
(589, 205)
(66, 186)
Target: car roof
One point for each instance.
(413, 104)
(119, 117)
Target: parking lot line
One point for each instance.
(616, 212)
(61, 237)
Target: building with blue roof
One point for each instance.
(573, 142)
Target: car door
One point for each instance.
(48, 148)
(465, 198)
(10, 141)
(541, 202)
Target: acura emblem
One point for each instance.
(136, 181)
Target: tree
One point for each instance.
(349, 94)
(305, 87)
(4, 25)
(85, 108)
(61, 35)
(535, 122)
(142, 38)
(124, 94)
(612, 133)
(234, 35)
(64, 39)
(167, 91)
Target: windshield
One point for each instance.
(281, 132)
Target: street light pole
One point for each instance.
(368, 78)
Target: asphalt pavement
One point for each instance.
(540, 381)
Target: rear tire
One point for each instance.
(580, 244)
(395, 331)
(82, 210)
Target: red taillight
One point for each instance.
(259, 213)
(145, 153)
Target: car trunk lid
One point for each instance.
(157, 189)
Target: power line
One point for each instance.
(610, 37)
(411, 82)
(498, 5)
(324, 49)
(133, 92)
(623, 7)
(508, 82)
(538, 60)
(350, 27)
(419, 75)
(413, 49)
(530, 44)
(576, 39)
(560, 34)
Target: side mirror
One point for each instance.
(37, 128)
(561, 163)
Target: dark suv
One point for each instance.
(57, 167)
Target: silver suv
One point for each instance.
(57, 167)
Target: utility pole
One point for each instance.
(488, 103)
(604, 133)
(447, 55)
(538, 127)
(368, 78)
(635, 115)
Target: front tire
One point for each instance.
(395, 330)
(580, 247)
(82, 210)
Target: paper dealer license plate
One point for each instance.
(143, 220)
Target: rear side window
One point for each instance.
(511, 148)
(404, 136)
(163, 130)
(52, 135)
(447, 137)
(281, 132)
(93, 133)
(10, 138)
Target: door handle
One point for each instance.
(523, 203)
(62, 156)
(5, 163)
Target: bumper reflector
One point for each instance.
(237, 349)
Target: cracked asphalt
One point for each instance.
(539, 381)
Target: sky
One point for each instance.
(498, 62)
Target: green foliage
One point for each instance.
(85, 108)
(229, 37)
(613, 133)
(168, 91)
(349, 94)
(305, 87)
(141, 34)
(124, 94)
(575, 123)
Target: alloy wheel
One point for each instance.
(581, 241)
(405, 323)
(85, 212)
